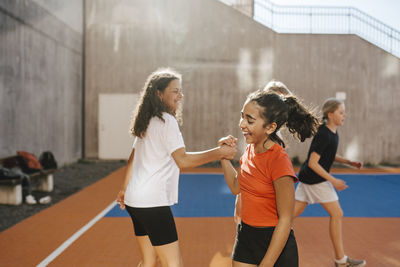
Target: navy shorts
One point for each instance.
(252, 244)
(156, 222)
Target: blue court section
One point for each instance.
(207, 195)
(368, 195)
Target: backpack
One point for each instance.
(48, 160)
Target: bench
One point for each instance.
(11, 189)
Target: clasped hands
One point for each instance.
(227, 146)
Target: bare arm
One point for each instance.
(230, 175)
(343, 160)
(128, 174)
(317, 168)
(237, 215)
(193, 159)
(284, 190)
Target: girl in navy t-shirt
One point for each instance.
(317, 185)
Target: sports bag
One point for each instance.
(48, 160)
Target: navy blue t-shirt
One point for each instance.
(325, 144)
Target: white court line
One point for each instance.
(75, 236)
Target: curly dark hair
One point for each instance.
(150, 105)
(286, 111)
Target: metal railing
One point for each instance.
(323, 20)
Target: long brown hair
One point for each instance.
(150, 104)
(288, 111)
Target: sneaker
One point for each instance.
(45, 200)
(351, 263)
(30, 200)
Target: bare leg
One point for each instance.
(149, 256)
(335, 226)
(169, 255)
(299, 207)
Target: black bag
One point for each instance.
(47, 160)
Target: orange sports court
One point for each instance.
(73, 72)
(88, 229)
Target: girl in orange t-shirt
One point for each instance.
(273, 86)
(266, 180)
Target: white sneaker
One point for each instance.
(351, 263)
(30, 200)
(45, 200)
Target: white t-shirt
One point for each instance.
(155, 175)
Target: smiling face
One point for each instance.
(338, 116)
(172, 95)
(253, 125)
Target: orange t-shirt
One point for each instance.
(257, 174)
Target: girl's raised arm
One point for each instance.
(194, 159)
(230, 175)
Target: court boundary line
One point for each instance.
(75, 236)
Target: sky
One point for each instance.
(387, 11)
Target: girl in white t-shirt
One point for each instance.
(151, 181)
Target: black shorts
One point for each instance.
(158, 223)
(252, 244)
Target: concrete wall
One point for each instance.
(221, 53)
(40, 80)
(318, 66)
(69, 12)
(223, 56)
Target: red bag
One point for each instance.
(29, 163)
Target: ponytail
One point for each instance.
(289, 111)
(301, 122)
